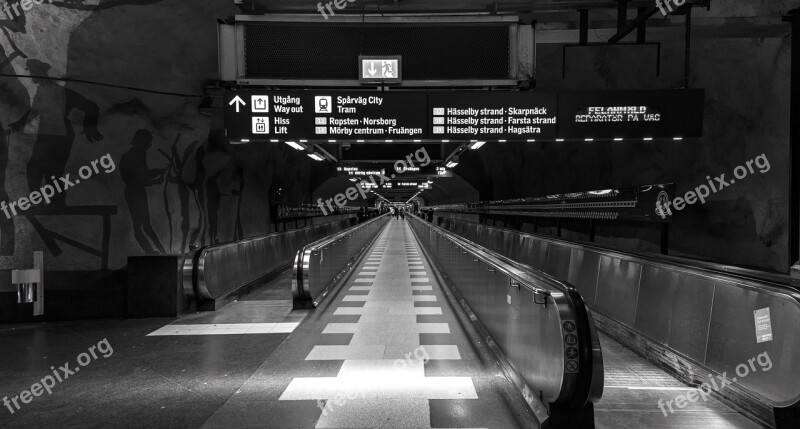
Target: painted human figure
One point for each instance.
(227, 181)
(137, 177)
(14, 103)
(53, 104)
(179, 165)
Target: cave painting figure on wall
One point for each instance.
(204, 176)
(137, 177)
(53, 104)
(227, 180)
(14, 101)
(178, 165)
(187, 173)
(234, 177)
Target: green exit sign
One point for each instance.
(380, 69)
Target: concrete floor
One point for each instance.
(387, 350)
(390, 349)
(633, 387)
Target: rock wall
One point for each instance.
(746, 115)
(119, 83)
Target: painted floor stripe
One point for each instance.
(313, 388)
(363, 298)
(225, 329)
(386, 395)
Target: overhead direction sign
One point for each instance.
(363, 169)
(518, 116)
(380, 69)
(476, 115)
(325, 115)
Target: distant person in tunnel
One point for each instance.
(137, 177)
(52, 105)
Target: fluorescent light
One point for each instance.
(315, 157)
(677, 138)
(389, 141)
(653, 388)
(245, 140)
(445, 141)
(451, 164)
(501, 141)
(477, 145)
(331, 141)
(647, 139)
(618, 139)
(296, 146)
(275, 141)
(589, 140)
(531, 140)
(417, 141)
(559, 140)
(359, 141)
(303, 141)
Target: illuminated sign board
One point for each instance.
(514, 116)
(480, 115)
(273, 115)
(631, 114)
(386, 69)
(360, 171)
(374, 169)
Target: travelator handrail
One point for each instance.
(318, 266)
(215, 271)
(568, 392)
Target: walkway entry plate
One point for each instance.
(380, 69)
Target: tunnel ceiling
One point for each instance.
(433, 6)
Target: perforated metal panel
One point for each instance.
(444, 52)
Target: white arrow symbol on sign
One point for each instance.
(372, 70)
(237, 100)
